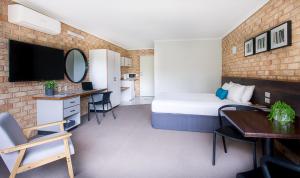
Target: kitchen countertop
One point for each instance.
(130, 79)
(124, 88)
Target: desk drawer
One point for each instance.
(71, 102)
(72, 110)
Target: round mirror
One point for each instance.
(76, 65)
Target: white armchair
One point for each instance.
(20, 155)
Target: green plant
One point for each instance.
(282, 112)
(50, 84)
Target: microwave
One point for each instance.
(129, 76)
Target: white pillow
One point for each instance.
(232, 83)
(247, 94)
(235, 92)
(226, 86)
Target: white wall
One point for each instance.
(187, 66)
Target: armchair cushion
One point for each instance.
(10, 135)
(46, 150)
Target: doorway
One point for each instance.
(146, 76)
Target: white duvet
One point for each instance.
(189, 103)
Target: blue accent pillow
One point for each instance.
(221, 93)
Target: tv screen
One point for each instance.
(29, 62)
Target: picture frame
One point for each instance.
(249, 47)
(262, 42)
(281, 35)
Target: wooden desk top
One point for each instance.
(256, 124)
(67, 95)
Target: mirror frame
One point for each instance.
(85, 61)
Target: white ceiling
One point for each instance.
(136, 24)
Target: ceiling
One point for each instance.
(136, 24)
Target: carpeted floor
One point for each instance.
(129, 147)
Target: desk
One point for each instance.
(257, 125)
(59, 107)
(68, 94)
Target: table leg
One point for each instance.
(268, 146)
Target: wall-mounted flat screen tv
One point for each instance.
(30, 62)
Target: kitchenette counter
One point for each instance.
(127, 89)
(129, 79)
(124, 88)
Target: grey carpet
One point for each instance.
(129, 147)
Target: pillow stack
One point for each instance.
(239, 93)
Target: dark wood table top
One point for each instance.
(69, 94)
(256, 124)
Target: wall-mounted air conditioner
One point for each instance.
(29, 18)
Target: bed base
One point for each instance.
(185, 122)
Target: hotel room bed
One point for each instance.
(187, 111)
(196, 112)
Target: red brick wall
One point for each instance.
(279, 64)
(16, 97)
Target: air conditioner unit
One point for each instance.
(29, 18)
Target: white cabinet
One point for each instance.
(50, 110)
(129, 93)
(125, 61)
(122, 61)
(105, 72)
(128, 62)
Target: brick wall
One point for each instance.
(1, 8)
(16, 97)
(135, 68)
(279, 64)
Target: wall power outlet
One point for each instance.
(267, 94)
(267, 100)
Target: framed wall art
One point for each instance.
(262, 42)
(249, 47)
(281, 35)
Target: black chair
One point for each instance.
(103, 99)
(229, 131)
(105, 103)
(89, 86)
(272, 167)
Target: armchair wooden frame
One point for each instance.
(18, 168)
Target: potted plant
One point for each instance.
(282, 112)
(50, 87)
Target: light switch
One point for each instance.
(233, 50)
(267, 94)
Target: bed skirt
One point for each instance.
(185, 122)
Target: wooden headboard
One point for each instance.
(288, 92)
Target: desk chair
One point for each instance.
(101, 98)
(89, 86)
(273, 167)
(21, 154)
(232, 133)
(105, 103)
